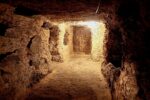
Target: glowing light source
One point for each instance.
(90, 24)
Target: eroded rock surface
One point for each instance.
(24, 53)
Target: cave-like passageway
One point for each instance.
(74, 50)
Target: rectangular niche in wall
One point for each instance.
(82, 39)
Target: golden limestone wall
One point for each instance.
(65, 41)
(97, 41)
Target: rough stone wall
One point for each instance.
(131, 21)
(98, 32)
(55, 44)
(135, 59)
(126, 86)
(65, 41)
(24, 53)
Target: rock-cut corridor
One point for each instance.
(74, 50)
(78, 79)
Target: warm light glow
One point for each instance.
(90, 24)
(98, 31)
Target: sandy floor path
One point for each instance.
(78, 79)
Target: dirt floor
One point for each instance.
(79, 78)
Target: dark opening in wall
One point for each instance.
(3, 28)
(114, 48)
(3, 56)
(47, 25)
(30, 42)
(66, 38)
(20, 10)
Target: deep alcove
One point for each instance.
(74, 50)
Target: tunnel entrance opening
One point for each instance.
(81, 40)
(114, 48)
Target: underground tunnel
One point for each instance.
(74, 50)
